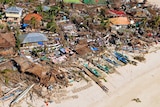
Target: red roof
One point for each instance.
(31, 15)
(118, 13)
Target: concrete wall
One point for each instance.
(16, 15)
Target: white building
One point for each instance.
(15, 12)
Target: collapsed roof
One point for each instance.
(7, 40)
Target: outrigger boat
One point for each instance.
(121, 57)
(92, 70)
(17, 99)
(11, 93)
(103, 68)
(110, 61)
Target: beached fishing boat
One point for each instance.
(121, 57)
(110, 61)
(101, 67)
(11, 93)
(92, 70)
(17, 99)
(104, 68)
(119, 54)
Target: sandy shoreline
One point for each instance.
(139, 81)
(143, 85)
(154, 2)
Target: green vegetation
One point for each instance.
(1, 26)
(39, 8)
(33, 22)
(105, 23)
(52, 26)
(5, 71)
(156, 21)
(12, 2)
(72, 1)
(17, 33)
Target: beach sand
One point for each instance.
(141, 81)
(135, 82)
(154, 2)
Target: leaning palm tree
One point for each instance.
(39, 8)
(17, 33)
(106, 23)
(144, 22)
(52, 26)
(33, 22)
(157, 21)
(54, 10)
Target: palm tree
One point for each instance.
(39, 8)
(52, 26)
(106, 23)
(102, 13)
(17, 33)
(33, 22)
(157, 21)
(54, 10)
(144, 22)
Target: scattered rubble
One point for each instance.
(71, 42)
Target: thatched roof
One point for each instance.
(7, 40)
(82, 49)
(6, 65)
(23, 62)
(36, 70)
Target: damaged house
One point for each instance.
(70, 29)
(14, 14)
(7, 44)
(33, 19)
(32, 39)
(41, 73)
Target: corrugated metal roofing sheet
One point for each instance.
(32, 38)
(14, 9)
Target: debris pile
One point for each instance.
(67, 43)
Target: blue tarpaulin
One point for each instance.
(40, 43)
(62, 50)
(24, 25)
(94, 49)
(57, 38)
